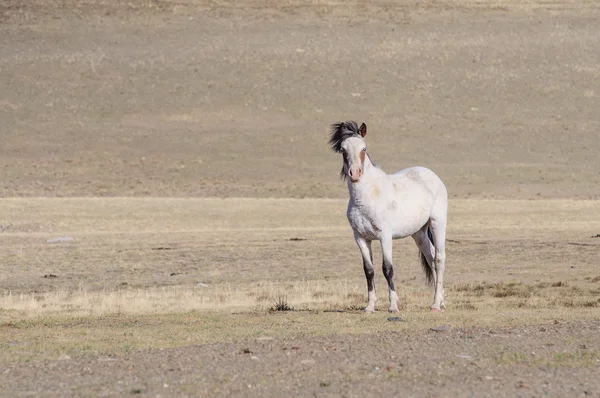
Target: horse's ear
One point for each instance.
(362, 130)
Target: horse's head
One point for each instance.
(347, 139)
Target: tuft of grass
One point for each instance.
(511, 290)
(281, 304)
(478, 287)
(467, 306)
(591, 304)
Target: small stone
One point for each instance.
(396, 319)
(441, 328)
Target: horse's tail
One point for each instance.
(427, 268)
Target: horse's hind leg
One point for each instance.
(438, 230)
(367, 255)
(427, 251)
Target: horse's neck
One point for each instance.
(371, 182)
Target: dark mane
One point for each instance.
(340, 131)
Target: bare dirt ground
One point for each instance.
(134, 130)
(195, 98)
(549, 360)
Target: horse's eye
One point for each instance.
(365, 149)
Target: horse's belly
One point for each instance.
(409, 220)
(403, 232)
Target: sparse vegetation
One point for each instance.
(71, 321)
(281, 304)
(144, 144)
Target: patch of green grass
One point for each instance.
(117, 334)
(512, 358)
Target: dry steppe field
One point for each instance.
(166, 191)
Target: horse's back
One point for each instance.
(424, 176)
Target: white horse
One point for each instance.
(412, 202)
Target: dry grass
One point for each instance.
(316, 295)
(519, 295)
(305, 295)
(509, 263)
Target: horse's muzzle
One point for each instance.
(355, 175)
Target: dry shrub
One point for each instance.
(471, 289)
(591, 304)
(511, 290)
(468, 306)
(281, 304)
(570, 302)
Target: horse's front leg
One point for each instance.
(388, 271)
(367, 255)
